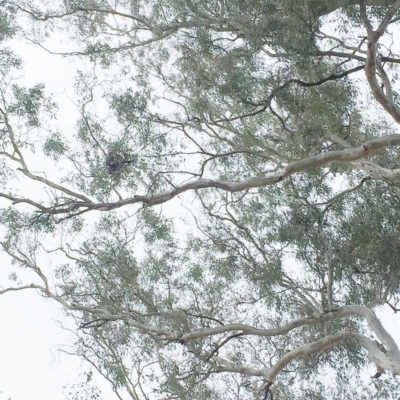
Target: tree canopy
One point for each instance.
(223, 222)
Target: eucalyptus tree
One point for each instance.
(243, 159)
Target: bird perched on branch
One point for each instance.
(116, 163)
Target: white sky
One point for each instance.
(30, 365)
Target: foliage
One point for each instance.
(250, 226)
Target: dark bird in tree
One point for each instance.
(116, 163)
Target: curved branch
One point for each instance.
(348, 154)
(55, 186)
(374, 324)
(373, 62)
(266, 103)
(310, 348)
(386, 361)
(324, 159)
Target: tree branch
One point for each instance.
(310, 348)
(372, 62)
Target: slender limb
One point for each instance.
(373, 60)
(347, 154)
(311, 348)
